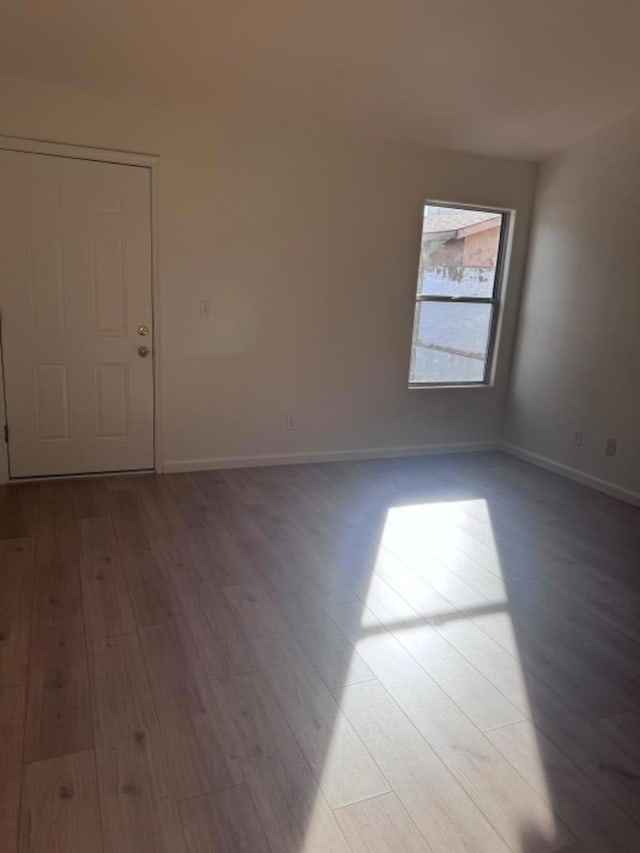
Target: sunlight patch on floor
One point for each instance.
(430, 540)
(435, 629)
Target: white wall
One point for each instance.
(577, 364)
(306, 243)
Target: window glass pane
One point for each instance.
(450, 341)
(459, 252)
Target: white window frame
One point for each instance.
(495, 300)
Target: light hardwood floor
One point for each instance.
(435, 654)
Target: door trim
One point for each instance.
(124, 158)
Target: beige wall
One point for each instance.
(578, 354)
(307, 245)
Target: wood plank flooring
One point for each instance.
(439, 655)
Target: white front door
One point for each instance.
(75, 286)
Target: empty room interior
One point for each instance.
(320, 390)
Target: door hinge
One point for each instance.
(6, 433)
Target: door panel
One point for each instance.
(51, 385)
(109, 288)
(46, 282)
(75, 284)
(111, 390)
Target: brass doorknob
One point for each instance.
(143, 330)
(143, 352)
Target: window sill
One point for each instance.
(443, 386)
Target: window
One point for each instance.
(457, 300)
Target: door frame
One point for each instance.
(123, 158)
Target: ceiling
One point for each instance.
(516, 78)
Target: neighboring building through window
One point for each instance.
(458, 295)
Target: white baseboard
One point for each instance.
(573, 474)
(173, 466)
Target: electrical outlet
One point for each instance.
(611, 447)
(291, 421)
(578, 435)
(205, 309)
